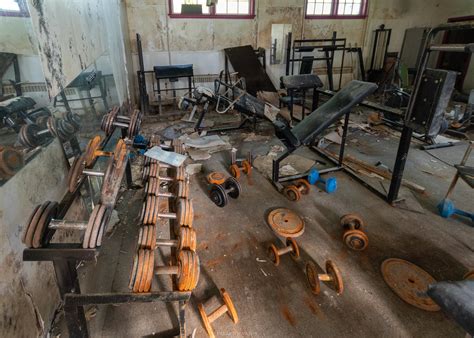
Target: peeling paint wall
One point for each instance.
(200, 41)
(73, 34)
(28, 292)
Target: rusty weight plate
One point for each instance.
(409, 282)
(286, 222)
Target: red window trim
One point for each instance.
(334, 14)
(211, 15)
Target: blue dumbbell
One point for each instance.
(446, 209)
(330, 184)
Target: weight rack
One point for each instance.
(65, 257)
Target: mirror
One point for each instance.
(279, 41)
(29, 119)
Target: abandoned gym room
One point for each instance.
(237, 168)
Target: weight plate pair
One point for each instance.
(141, 276)
(150, 210)
(188, 270)
(34, 235)
(147, 237)
(108, 120)
(74, 119)
(180, 173)
(135, 123)
(187, 239)
(152, 186)
(91, 150)
(292, 193)
(354, 237)
(98, 220)
(148, 160)
(151, 170)
(183, 189)
(185, 213)
(75, 173)
(28, 136)
(332, 270)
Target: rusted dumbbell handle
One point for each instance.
(67, 225)
(284, 250)
(168, 215)
(217, 313)
(166, 242)
(103, 153)
(122, 118)
(121, 124)
(324, 277)
(93, 173)
(166, 270)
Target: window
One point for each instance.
(13, 8)
(234, 9)
(345, 9)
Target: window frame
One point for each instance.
(212, 13)
(334, 15)
(22, 13)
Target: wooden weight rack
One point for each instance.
(65, 258)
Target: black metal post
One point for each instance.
(288, 52)
(343, 139)
(402, 154)
(144, 100)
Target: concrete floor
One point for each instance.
(276, 301)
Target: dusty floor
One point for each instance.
(276, 301)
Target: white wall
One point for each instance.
(73, 34)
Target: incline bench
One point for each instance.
(307, 131)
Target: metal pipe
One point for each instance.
(61, 224)
(121, 125)
(89, 172)
(459, 48)
(166, 270)
(166, 242)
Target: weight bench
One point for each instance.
(307, 131)
(250, 107)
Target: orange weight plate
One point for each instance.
(409, 282)
(285, 222)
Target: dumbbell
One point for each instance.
(330, 184)
(153, 170)
(74, 119)
(294, 191)
(332, 277)
(353, 236)
(446, 209)
(228, 307)
(291, 247)
(150, 212)
(11, 161)
(245, 165)
(92, 151)
(79, 167)
(216, 178)
(42, 225)
(186, 271)
(131, 123)
(152, 187)
(219, 192)
(186, 239)
(32, 135)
